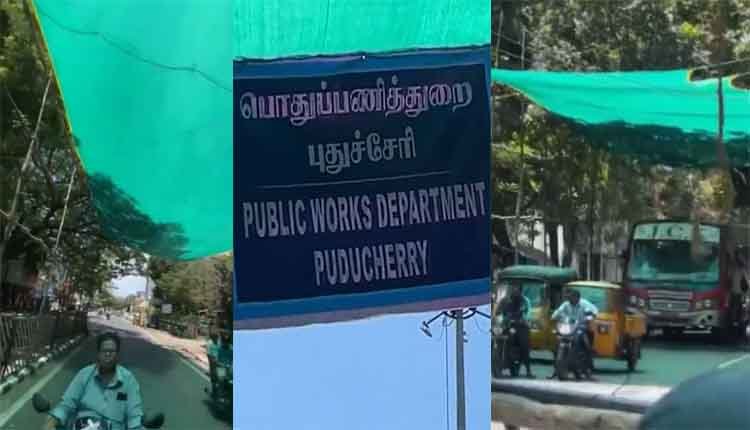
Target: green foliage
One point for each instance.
(194, 286)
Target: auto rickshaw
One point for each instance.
(542, 286)
(617, 333)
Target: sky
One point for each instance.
(376, 374)
(128, 285)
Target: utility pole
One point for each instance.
(460, 390)
(459, 315)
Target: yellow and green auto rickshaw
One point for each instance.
(617, 333)
(542, 286)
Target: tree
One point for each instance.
(47, 212)
(566, 180)
(196, 285)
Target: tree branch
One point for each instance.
(47, 175)
(11, 214)
(28, 233)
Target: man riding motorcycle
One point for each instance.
(515, 309)
(219, 352)
(104, 391)
(576, 309)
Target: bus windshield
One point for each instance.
(672, 260)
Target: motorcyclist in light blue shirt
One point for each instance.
(104, 390)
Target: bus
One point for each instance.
(679, 288)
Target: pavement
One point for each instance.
(664, 362)
(170, 383)
(191, 349)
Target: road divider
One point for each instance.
(624, 398)
(29, 342)
(526, 413)
(571, 405)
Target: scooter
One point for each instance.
(507, 349)
(90, 420)
(571, 355)
(746, 322)
(221, 388)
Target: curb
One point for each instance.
(182, 351)
(32, 368)
(568, 394)
(191, 357)
(525, 413)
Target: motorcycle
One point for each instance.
(571, 355)
(746, 321)
(221, 388)
(90, 420)
(507, 348)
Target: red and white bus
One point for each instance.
(678, 288)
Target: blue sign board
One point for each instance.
(361, 186)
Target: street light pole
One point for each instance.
(460, 390)
(460, 316)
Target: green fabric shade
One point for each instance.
(660, 117)
(147, 90)
(147, 87)
(286, 28)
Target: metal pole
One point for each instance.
(519, 196)
(544, 240)
(460, 392)
(498, 41)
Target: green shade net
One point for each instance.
(284, 28)
(659, 117)
(147, 91)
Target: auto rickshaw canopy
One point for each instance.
(551, 274)
(594, 284)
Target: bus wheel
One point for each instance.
(722, 335)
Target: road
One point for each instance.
(168, 383)
(664, 362)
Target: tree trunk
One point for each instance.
(592, 203)
(569, 235)
(551, 231)
(3, 293)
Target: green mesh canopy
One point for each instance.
(147, 90)
(285, 28)
(660, 117)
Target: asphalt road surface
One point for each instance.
(664, 361)
(168, 383)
